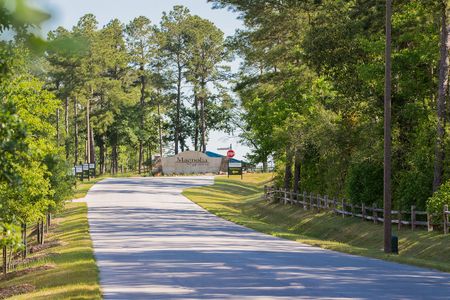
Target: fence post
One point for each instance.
(429, 224)
(285, 196)
(334, 205)
(374, 213)
(265, 192)
(413, 217)
(352, 209)
(445, 219)
(399, 219)
(311, 201)
(363, 211)
(305, 206)
(343, 207)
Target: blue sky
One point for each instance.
(67, 12)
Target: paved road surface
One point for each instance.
(152, 243)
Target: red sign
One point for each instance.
(230, 153)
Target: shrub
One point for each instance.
(435, 204)
(365, 183)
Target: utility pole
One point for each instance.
(387, 193)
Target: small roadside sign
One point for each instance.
(235, 165)
(231, 153)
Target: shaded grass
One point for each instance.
(241, 202)
(75, 273)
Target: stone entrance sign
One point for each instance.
(190, 162)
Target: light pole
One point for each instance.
(387, 191)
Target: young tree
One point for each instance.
(173, 49)
(141, 46)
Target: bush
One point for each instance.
(435, 204)
(365, 183)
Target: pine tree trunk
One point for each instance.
(441, 100)
(102, 154)
(91, 145)
(75, 125)
(178, 112)
(203, 116)
(160, 131)
(196, 116)
(58, 134)
(66, 126)
(142, 113)
(88, 131)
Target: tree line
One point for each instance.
(133, 90)
(114, 96)
(312, 89)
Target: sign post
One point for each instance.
(234, 168)
(79, 172)
(86, 170)
(92, 169)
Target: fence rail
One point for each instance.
(412, 218)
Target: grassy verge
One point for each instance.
(240, 202)
(68, 270)
(83, 186)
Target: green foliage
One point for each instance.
(312, 82)
(435, 204)
(365, 183)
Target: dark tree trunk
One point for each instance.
(115, 162)
(441, 100)
(102, 155)
(160, 130)
(297, 171)
(196, 116)
(88, 129)
(42, 232)
(38, 232)
(75, 125)
(264, 163)
(203, 116)
(24, 240)
(177, 119)
(58, 133)
(387, 133)
(91, 145)
(142, 113)
(66, 126)
(5, 261)
(288, 168)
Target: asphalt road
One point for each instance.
(152, 243)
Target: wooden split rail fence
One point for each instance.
(412, 218)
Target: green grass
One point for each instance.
(75, 273)
(83, 187)
(241, 202)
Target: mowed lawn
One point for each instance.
(241, 202)
(73, 273)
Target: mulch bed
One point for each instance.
(16, 290)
